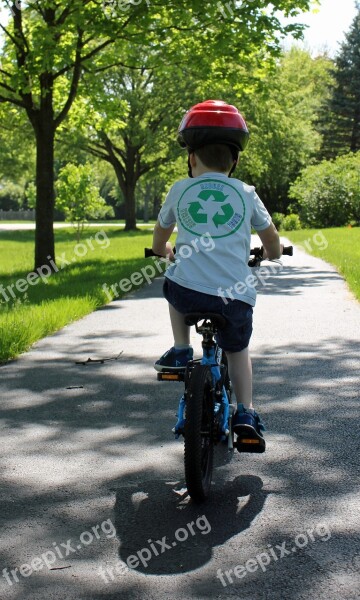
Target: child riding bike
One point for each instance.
(214, 277)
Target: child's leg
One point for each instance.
(240, 373)
(181, 331)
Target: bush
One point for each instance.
(277, 219)
(291, 222)
(78, 196)
(11, 196)
(328, 194)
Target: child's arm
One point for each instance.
(160, 243)
(271, 242)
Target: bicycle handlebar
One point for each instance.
(253, 262)
(288, 250)
(257, 253)
(148, 252)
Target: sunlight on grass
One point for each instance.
(102, 257)
(342, 250)
(113, 255)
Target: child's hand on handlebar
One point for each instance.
(169, 252)
(265, 255)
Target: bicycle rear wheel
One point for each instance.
(199, 424)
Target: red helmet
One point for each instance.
(213, 122)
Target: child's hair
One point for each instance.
(216, 156)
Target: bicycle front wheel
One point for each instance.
(198, 433)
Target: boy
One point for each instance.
(214, 277)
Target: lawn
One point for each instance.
(339, 246)
(29, 312)
(33, 306)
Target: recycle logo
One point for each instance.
(210, 206)
(224, 214)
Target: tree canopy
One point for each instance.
(340, 117)
(50, 45)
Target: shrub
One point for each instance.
(328, 194)
(11, 195)
(291, 222)
(277, 219)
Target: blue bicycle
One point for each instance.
(205, 410)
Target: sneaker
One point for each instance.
(174, 360)
(248, 428)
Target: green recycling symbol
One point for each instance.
(220, 217)
(211, 206)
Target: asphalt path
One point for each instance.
(91, 474)
(62, 225)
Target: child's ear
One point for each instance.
(192, 157)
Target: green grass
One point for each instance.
(68, 295)
(76, 289)
(339, 246)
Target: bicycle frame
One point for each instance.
(212, 355)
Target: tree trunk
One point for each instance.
(147, 203)
(355, 139)
(45, 196)
(130, 208)
(127, 184)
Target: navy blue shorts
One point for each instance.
(237, 332)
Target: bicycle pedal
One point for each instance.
(251, 445)
(168, 376)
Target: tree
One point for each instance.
(340, 119)
(282, 117)
(49, 45)
(137, 141)
(78, 197)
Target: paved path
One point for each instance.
(90, 473)
(31, 226)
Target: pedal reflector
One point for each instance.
(169, 377)
(248, 441)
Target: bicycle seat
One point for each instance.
(217, 320)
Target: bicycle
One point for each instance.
(205, 410)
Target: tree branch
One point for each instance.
(116, 64)
(13, 39)
(97, 49)
(5, 73)
(7, 87)
(97, 153)
(74, 82)
(12, 101)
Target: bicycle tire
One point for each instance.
(199, 424)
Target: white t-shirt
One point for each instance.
(214, 215)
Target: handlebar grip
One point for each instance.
(256, 251)
(148, 252)
(288, 250)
